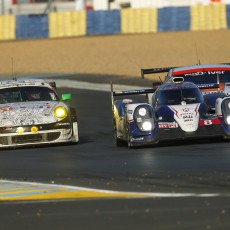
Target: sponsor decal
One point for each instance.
(130, 111)
(167, 125)
(207, 85)
(137, 139)
(5, 109)
(187, 117)
(62, 124)
(204, 72)
(214, 121)
(185, 110)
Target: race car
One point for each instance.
(176, 111)
(31, 113)
(212, 79)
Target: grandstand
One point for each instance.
(45, 6)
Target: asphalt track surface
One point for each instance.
(191, 181)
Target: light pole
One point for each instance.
(3, 7)
(48, 7)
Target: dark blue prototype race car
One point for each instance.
(174, 111)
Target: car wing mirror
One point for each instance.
(66, 96)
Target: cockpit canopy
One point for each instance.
(177, 96)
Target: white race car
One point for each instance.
(31, 113)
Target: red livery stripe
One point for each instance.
(199, 70)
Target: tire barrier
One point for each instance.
(228, 15)
(7, 27)
(31, 26)
(67, 24)
(125, 21)
(173, 19)
(103, 22)
(208, 17)
(138, 21)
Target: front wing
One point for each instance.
(169, 131)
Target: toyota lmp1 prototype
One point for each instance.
(212, 79)
(175, 111)
(31, 113)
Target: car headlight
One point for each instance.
(60, 112)
(143, 116)
(229, 105)
(142, 111)
(225, 109)
(228, 120)
(147, 126)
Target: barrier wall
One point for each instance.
(125, 21)
(31, 26)
(208, 17)
(173, 19)
(67, 24)
(228, 15)
(138, 21)
(103, 22)
(7, 27)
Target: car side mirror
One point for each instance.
(156, 85)
(66, 96)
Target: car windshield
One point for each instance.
(23, 94)
(176, 96)
(206, 77)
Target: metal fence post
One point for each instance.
(3, 7)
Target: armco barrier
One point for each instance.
(208, 17)
(173, 19)
(67, 24)
(103, 22)
(31, 26)
(7, 27)
(138, 21)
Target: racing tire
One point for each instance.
(118, 142)
(130, 145)
(75, 137)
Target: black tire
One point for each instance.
(118, 142)
(75, 137)
(130, 145)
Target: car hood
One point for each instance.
(28, 113)
(187, 116)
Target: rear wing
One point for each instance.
(155, 70)
(129, 92)
(163, 70)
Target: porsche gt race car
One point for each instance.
(212, 79)
(31, 113)
(176, 111)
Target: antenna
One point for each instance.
(197, 57)
(12, 69)
(12, 66)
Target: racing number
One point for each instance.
(208, 122)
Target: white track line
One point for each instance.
(132, 194)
